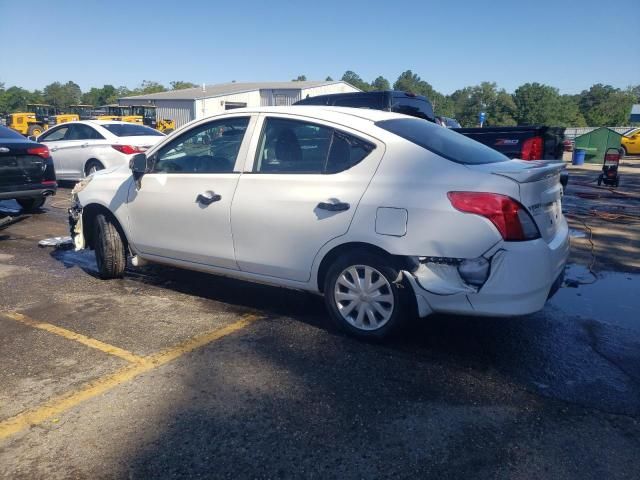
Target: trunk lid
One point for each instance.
(145, 142)
(539, 187)
(17, 166)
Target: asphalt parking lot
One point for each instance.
(168, 373)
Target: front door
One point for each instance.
(304, 187)
(182, 208)
(54, 139)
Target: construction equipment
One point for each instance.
(149, 116)
(37, 119)
(83, 112)
(109, 112)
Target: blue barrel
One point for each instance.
(578, 157)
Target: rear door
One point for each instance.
(300, 191)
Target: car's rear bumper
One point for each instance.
(523, 276)
(28, 191)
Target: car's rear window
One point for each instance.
(442, 141)
(131, 130)
(8, 133)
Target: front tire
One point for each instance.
(111, 255)
(31, 204)
(363, 296)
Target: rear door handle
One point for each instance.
(207, 198)
(84, 145)
(334, 207)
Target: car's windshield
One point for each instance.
(8, 133)
(442, 141)
(131, 130)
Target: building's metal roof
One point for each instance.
(228, 89)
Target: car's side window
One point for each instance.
(346, 151)
(209, 148)
(82, 132)
(53, 135)
(298, 147)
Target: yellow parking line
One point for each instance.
(69, 400)
(78, 337)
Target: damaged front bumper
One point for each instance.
(521, 277)
(75, 223)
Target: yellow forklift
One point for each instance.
(37, 119)
(148, 114)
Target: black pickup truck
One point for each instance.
(527, 142)
(388, 100)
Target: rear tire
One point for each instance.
(371, 307)
(623, 152)
(111, 255)
(599, 180)
(92, 166)
(31, 204)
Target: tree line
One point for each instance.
(531, 103)
(62, 95)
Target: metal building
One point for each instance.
(193, 103)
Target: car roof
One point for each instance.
(99, 122)
(324, 112)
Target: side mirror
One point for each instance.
(32, 138)
(138, 164)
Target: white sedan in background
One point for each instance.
(382, 213)
(81, 148)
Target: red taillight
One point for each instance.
(42, 151)
(128, 149)
(510, 218)
(532, 149)
(49, 182)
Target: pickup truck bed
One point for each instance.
(528, 142)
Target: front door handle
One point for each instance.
(207, 198)
(334, 207)
(84, 145)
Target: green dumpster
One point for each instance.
(597, 142)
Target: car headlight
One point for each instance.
(81, 185)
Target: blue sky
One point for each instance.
(450, 44)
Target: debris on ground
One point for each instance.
(57, 242)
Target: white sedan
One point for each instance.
(381, 213)
(81, 148)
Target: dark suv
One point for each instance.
(26, 170)
(388, 100)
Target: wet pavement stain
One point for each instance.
(612, 298)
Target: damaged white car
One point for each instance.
(381, 213)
